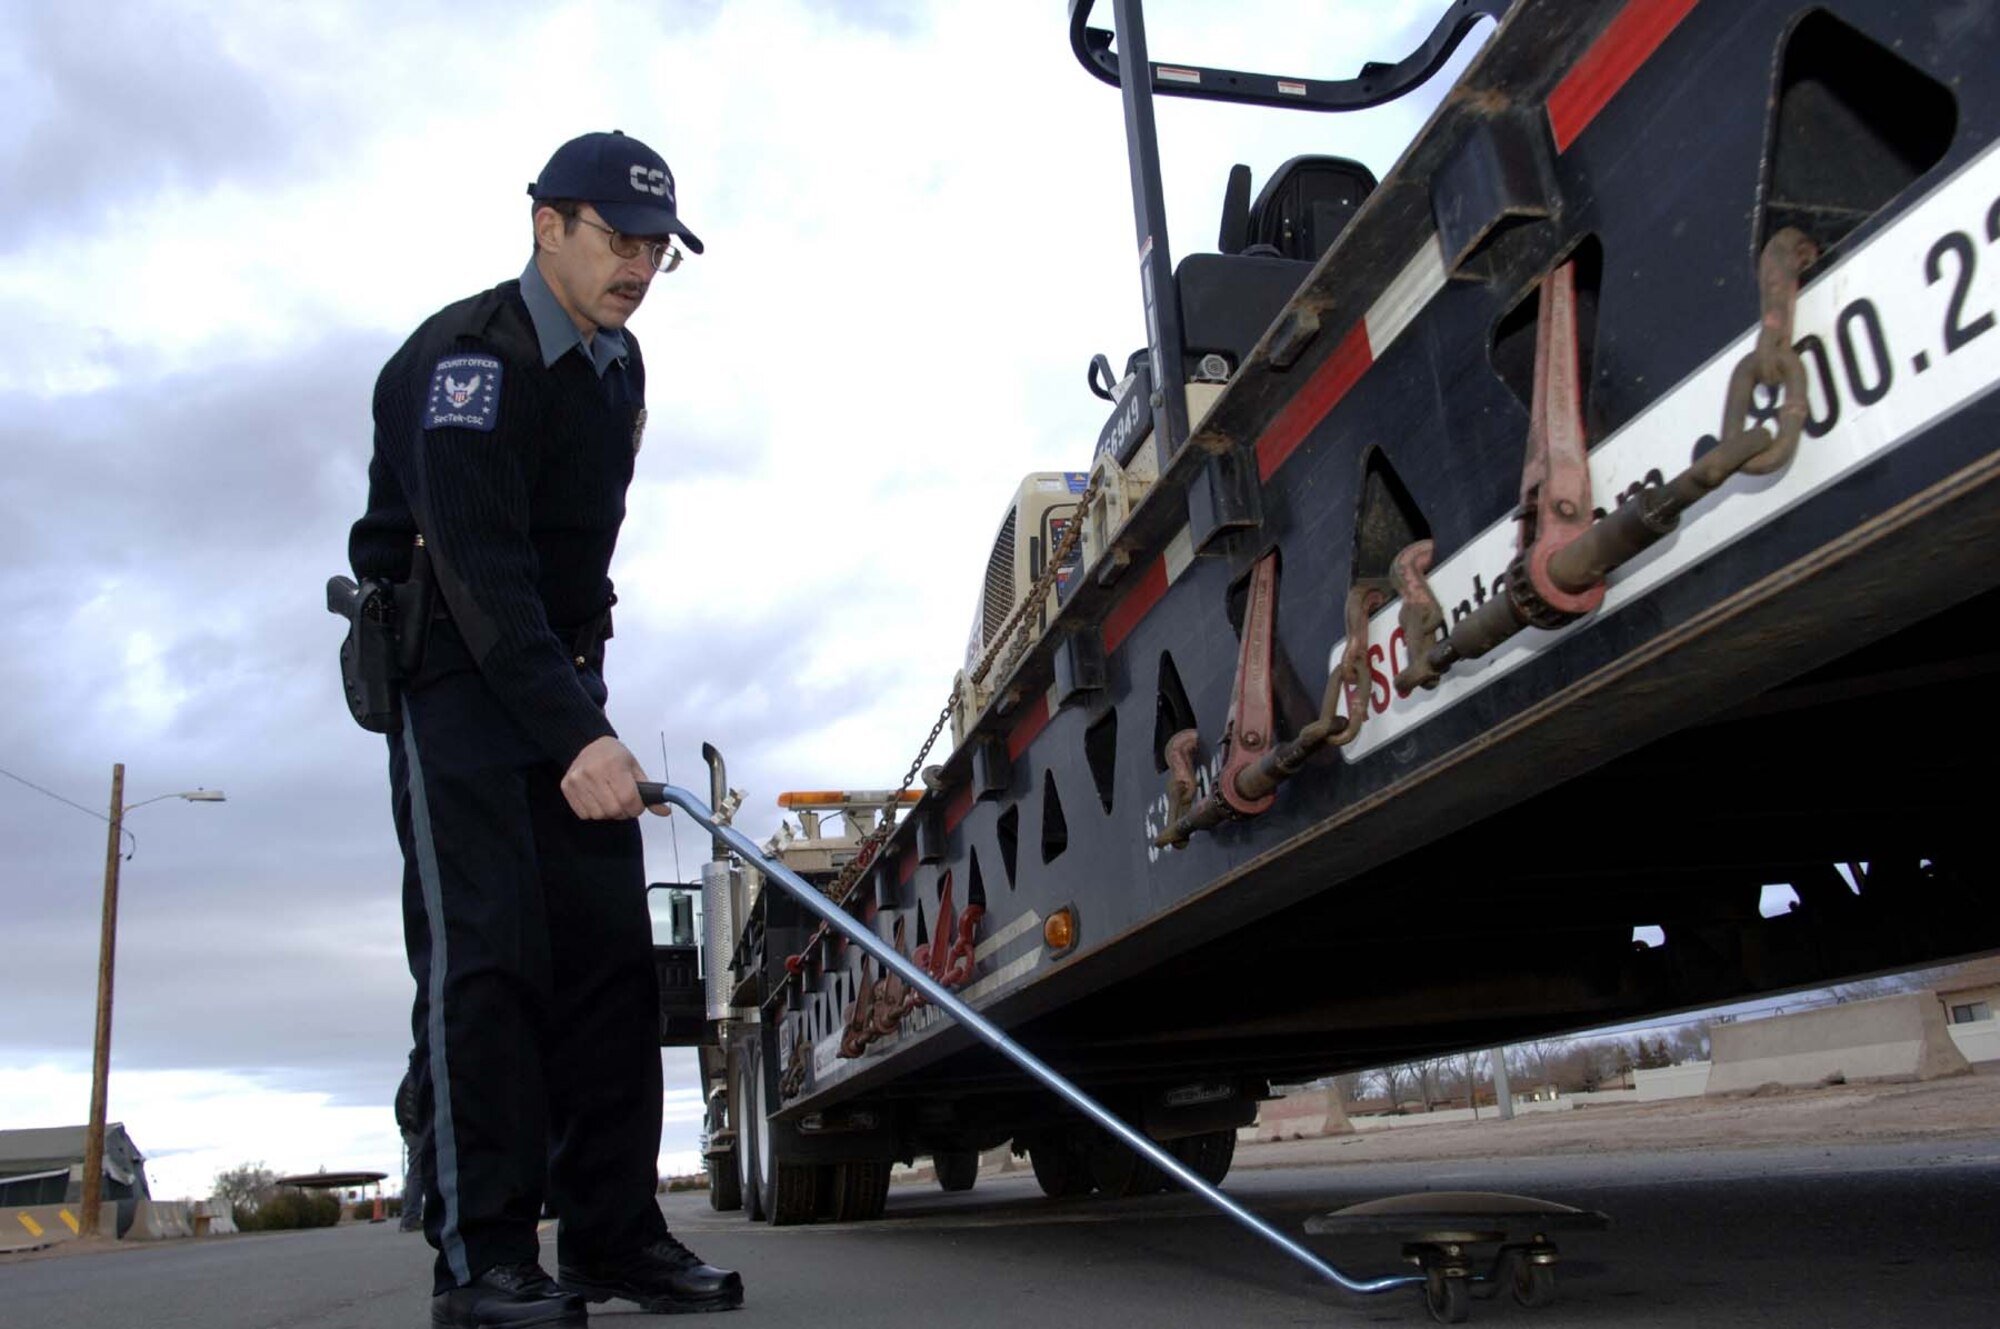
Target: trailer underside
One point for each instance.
(1790, 689)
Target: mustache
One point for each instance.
(635, 289)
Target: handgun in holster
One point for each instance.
(387, 626)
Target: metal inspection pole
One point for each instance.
(990, 1034)
(100, 1065)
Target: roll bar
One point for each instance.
(1377, 83)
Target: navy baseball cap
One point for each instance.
(626, 181)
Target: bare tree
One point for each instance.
(1541, 1059)
(1393, 1080)
(1689, 1042)
(246, 1187)
(1588, 1065)
(1465, 1071)
(1427, 1072)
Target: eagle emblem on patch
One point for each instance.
(638, 430)
(465, 393)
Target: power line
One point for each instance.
(124, 829)
(53, 794)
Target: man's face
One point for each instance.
(594, 285)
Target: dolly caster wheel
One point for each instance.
(1533, 1284)
(1447, 1298)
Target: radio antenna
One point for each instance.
(673, 823)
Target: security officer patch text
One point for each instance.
(465, 393)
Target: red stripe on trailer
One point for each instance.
(958, 808)
(1138, 602)
(1594, 80)
(1321, 393)
(1028, 727)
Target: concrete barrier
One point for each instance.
(1903, 1037)
(160, 1220)
(34, 1226)
(1307, 1115)
(213, 1217)
(1977, 1041)
(1686, 1081)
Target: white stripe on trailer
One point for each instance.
(1914, 304)
(1405, 297)
(1027, 922)
(1178, 554)
(1002, 976)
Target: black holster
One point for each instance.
(368, 669)
(388, 624)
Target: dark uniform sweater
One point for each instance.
(515, 472)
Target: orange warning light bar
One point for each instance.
(817, 798)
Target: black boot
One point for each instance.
(663, 1277)
(509, 1296)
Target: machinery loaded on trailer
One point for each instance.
(1576, 531)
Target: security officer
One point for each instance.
(505, 434)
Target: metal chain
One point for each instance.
(843, 885)
(1774, 363)
(1017, 622)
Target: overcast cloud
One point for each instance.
(225, 217)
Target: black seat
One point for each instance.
(1301, 210)
(1269, 245)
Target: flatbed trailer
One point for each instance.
(1204, 840)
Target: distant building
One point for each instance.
(1970, 995)
(1971, 992)
(45, 1166)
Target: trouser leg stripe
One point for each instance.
(443, 1134)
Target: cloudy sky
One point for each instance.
(222, 219)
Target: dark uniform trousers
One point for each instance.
(537, 1004)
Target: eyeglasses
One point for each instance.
(660, 253)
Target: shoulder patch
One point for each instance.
(465, 393)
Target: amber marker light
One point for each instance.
(1059, 931)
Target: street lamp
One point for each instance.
(100, 1070)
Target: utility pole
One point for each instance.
(1503, 1094)
(100, 1069)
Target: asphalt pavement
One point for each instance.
(1795, 1235)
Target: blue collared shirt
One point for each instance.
(558, 334)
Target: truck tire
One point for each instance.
(794, 1194)
(957, 1169)
(1117, 1170)
(787, 1191)
(1060, 1168)
(860, 1190)
(1208, 1155)
(745, 1104)
(725, 1183)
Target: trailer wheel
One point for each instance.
(957, 1169)
(1208, 1155)
(794, 1194)
(860, 1190)
(1060, 1168)
(725, 1183)
(1117, 1169)
(787, 1192)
